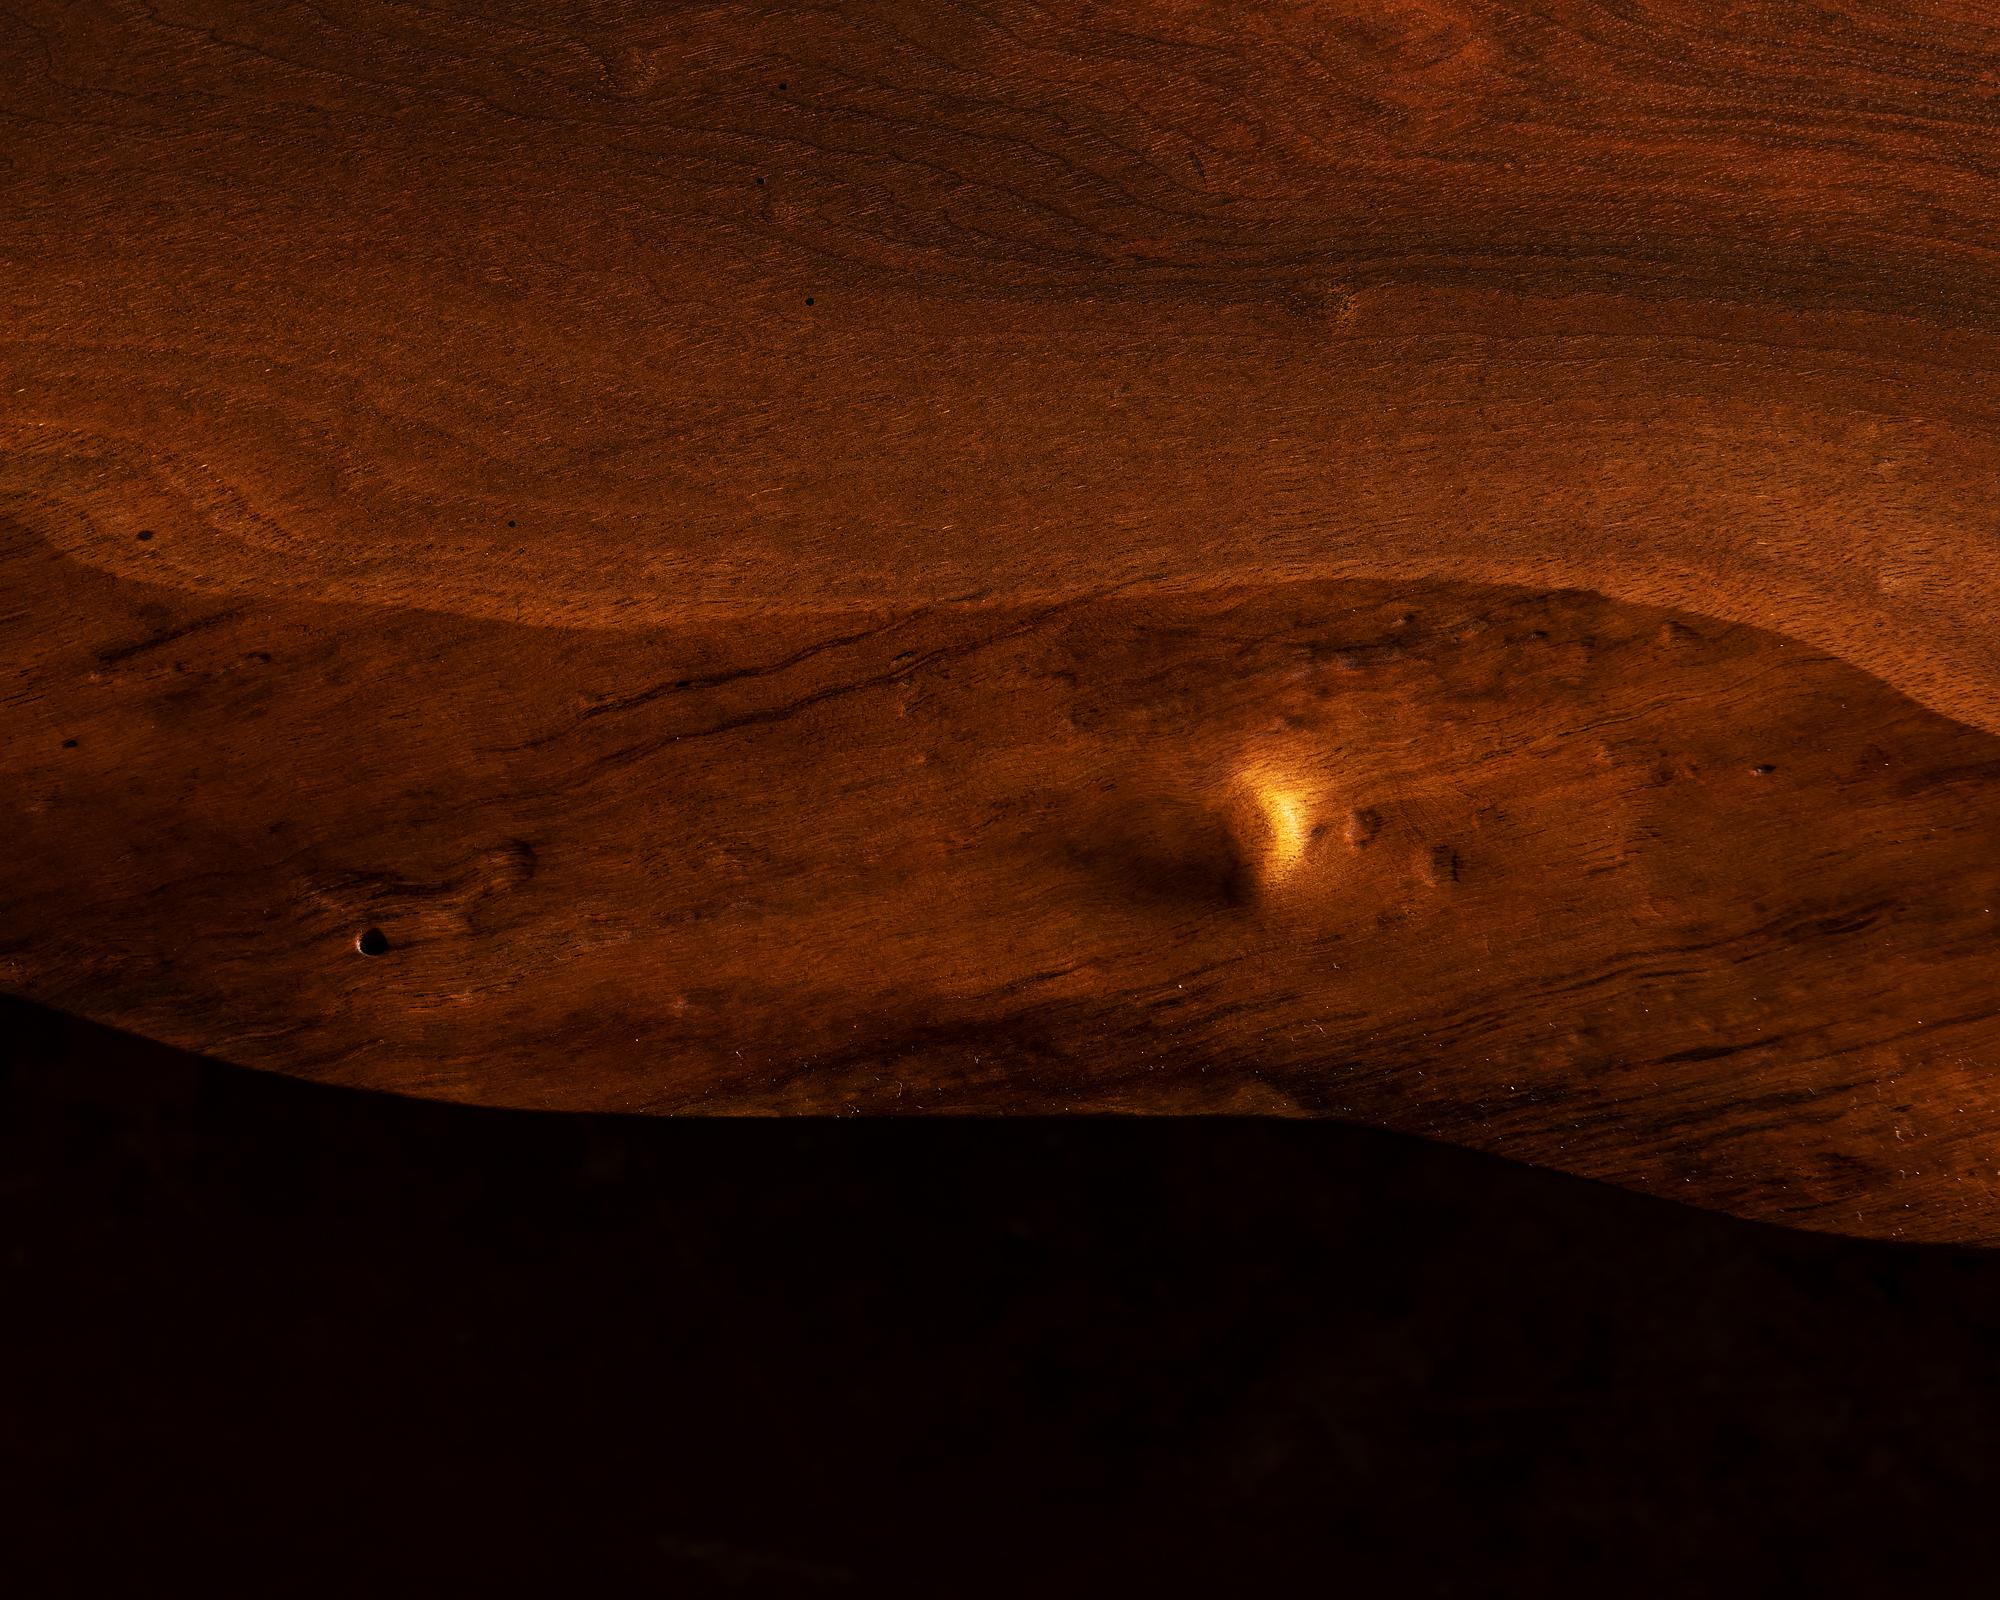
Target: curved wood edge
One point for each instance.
(1599, 887)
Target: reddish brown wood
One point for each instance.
(1430, 564)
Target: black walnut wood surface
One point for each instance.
(1429, 563)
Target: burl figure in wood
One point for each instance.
(1431, 563)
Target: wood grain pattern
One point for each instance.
(1429, 563)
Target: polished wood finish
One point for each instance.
(1431, 564)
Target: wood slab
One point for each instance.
(1428, 563)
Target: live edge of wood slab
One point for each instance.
(1432, 564)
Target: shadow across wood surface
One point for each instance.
(275, 1333)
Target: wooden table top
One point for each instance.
(1431, 564)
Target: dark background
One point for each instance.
(267, 1335)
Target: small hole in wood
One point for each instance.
(69, 744)
(373, 942)
(145, 534)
